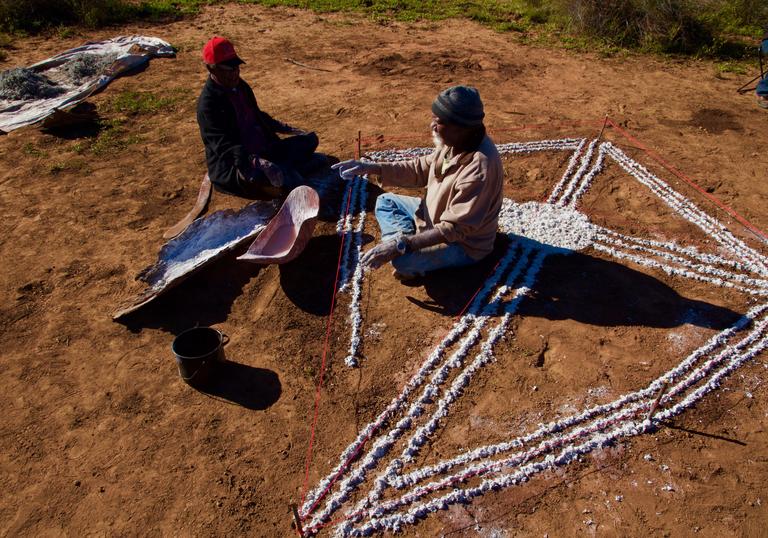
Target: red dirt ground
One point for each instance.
(99, 437)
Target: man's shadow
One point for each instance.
(583, 288)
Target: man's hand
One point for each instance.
(351, 168)
(272, 171)
(380, 254)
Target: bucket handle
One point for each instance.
(190, 378)
(223, 337)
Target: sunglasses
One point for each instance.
(225, 67)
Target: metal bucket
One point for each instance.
(197, 352)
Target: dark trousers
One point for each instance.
(294, 151)
(293, 155)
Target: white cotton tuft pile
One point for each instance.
(559, 227)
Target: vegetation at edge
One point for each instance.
(726, 29)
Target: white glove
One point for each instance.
(351, 168)
(380, 254)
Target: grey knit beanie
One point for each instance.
(460, 105)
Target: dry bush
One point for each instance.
(33, 15)
(665, 25)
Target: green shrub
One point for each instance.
(112, 138)
(704, 27)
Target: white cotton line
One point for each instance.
(347, 211)
(702, 268)
(421, 435)
(690, 251)
(395, 522)
(346, 230)
(682, 205)
(352, 450)
(541, 451)
(354, 233)
(675, 271)
(472, 322)
(714, 229)
(355, 314)
(585, 162)
(687, 209)
(757, 335)
(587, 181)
(561, 425)
(418, 379)
(398, 155)
(567, 455)
(343, 213)
(541, 145)
(345, 268)
(383, 444)
(714, 381)
(568, 171)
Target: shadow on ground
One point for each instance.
(247, 386)
(582, 288)
(204, 299)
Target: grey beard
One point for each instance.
(439, 143)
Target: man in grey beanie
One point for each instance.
(455, 223)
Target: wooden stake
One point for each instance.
(359, 147)
(656, 402)
(605, 123)
(307, 66)
(297, 519)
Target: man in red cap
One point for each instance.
(243, 151)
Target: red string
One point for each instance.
(325, 355)
(656, 157)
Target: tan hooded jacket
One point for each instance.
(463, 197)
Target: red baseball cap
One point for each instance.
(220, 50)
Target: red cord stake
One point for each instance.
(358, 147)
(297, 520)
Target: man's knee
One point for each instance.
(311, 141)
(386, 202)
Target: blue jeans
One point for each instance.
(396, 214)
(762, 87)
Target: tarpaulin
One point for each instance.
(129, 52)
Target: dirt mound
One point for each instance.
(438, 67)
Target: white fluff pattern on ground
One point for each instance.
(377, 485)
